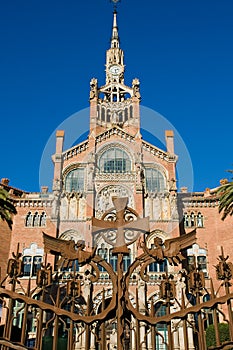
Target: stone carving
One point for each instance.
(55, 204)
(90, 176)
(156, 208)
(166, 213)
(94, 89)
(104, 198)
(64, 208)
(73, 208)
(136, 89)
(82, 208)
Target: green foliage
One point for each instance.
(224, 334)
(225, 193)
(7, 208)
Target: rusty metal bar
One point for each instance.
(25, 316)
(120, 296)
(186, 343)
(229, 307)
(137, 333)
(56, 322)
(87, 328)
(71, 329)
(169, 328)
(153, 332)
(39, 326)
(215, 318)
(103, 332)
(201, 333)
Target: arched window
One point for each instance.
(192, 216)
(126, 114)
(43, 219)
(131, 111)
(29, 219)
(75, 180)
(154, 180)
(36, 219)
(114, 160)
(103, 114)
(199, 220)
(193, 219)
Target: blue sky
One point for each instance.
(182, 52)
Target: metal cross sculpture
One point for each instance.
(122, 230)
(115, 2)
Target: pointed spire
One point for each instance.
(115, 36)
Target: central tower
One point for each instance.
(114, 104)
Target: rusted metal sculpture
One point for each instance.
(170, 249)
(63, 302)
(68, 250)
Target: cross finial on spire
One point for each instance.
(115, 2)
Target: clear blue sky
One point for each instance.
(182, 52)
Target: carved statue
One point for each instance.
(93, 91)
(136, 89)
(69, 250)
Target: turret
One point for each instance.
(114, 103)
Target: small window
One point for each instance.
(43, 219)
(131, 111)
(201, 263)
(27, 265)
(29, 219)
(36, 219)
(199, 220)
(103, 114)
(37, 260)
(75, 180)
(31, 264)
(193, 220)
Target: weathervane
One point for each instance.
(115, 2)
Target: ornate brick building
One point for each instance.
(114, 161)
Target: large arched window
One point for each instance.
(154, 180)
(115, 160)
(75, 180)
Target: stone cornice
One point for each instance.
(114, 131)
(34, 202)
(81, 147)
(159, 153)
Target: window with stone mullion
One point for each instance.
(75, 180)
